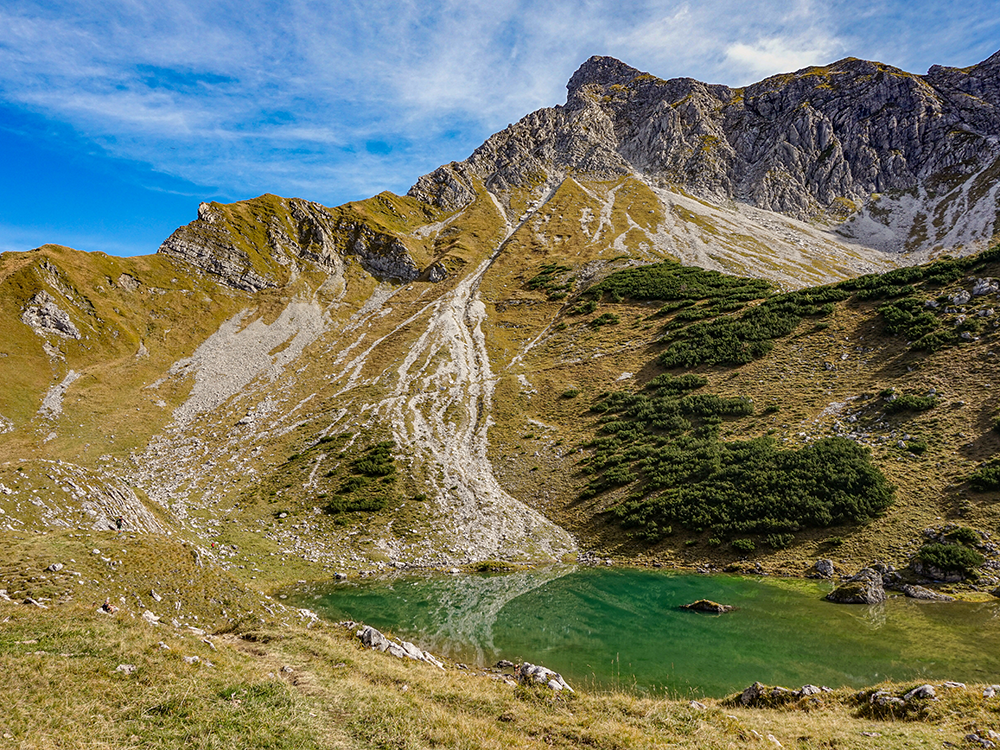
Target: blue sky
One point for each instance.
(117, 117)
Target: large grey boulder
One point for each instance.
(863, 588)
(44, 316)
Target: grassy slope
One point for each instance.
(270, 679)
(828, 369)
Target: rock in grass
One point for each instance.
(924, 692)
(541, 675)
(374, 639)
(863, 588)
(707, 605)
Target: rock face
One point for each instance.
(863, 588)
(46, 317)
(260, 243)
(707, 605)
(823, 142)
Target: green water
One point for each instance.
(623, 628)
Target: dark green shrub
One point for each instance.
(668, 384)
(916, 446)
(986, 478)
(570, 393)
(950, 557)
(780, 541)
(909, 402)
(669, 281)
(605, 319)
(743, 545)
(965, 535)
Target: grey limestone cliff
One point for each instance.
(821, 143)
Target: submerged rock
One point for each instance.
(919, 592)
(863, 588)
(707, 605)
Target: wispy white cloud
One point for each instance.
(772, 55)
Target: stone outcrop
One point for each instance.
(760, 695)
(374, 639)
(823, 142)
(46, 317)
(533, 673)
(863, 588)
(260, 243)
(824, 568)
(919, 592)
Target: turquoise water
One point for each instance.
(623, 628)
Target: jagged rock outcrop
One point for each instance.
(258, 244)
(822, 142)
(46, 317)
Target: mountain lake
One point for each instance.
(623, 628)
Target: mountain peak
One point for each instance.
(603, 71)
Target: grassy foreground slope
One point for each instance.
(251, 673)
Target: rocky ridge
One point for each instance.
(888, 157)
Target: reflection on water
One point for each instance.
(610, 627)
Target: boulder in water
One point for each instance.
(863, 588)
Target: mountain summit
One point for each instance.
(888, 159)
